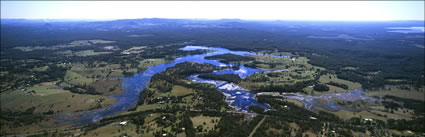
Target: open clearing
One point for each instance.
(333, 78)
(180, 91)
(374, 113)
(176, 91)
(74, 78)
(134, 50)
(151, 62)
(89, 53)
(114, 129)
(76, 43)
(206, 122)
(52, 98)
(107, 87)
(394, 91)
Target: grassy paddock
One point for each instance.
(150, 62)
(74, 78)
(108, 87)
(372, 113)
(52, 98)
(200, 120)
(90, 53)
(394, 91)
(351, 85)
(180, 91)
(113, 129)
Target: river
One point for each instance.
(236, 96)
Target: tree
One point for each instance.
(321, 87)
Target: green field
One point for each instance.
(333, 78)
(150, 62)
(207, 123)
(89, 53)
(108, 87)
(115, 129)
(396, 91)
(75, 43)
(40, 69)
(51, 97)
(181, 91)
(74, 78)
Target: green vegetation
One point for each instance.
(338, 85)
(107, 87)
(204, 123)
(332, 79)
(416, 105)
(321, 87)
(224, 77)
(256, 109)
(42, 70)
(151, 62)
(228, 58)
(49, 83)
(399, 91)
(90, 53)
(292, 75)
(51, 98)
(18, 118)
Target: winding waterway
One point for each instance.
(236, 96)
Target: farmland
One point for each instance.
(130, 72)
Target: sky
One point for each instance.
(249, 10)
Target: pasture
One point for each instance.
(207, 123)
(51, 98)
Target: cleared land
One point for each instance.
(107, 87)
(76, 43)
(90, 53)
(207, 123)
(151, 62)
(333, 78)
(51, 98)
(286, 71)
(398, 92)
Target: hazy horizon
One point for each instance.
(215, 10)
(200, 19)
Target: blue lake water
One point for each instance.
(236, 96)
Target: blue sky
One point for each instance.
(262, 10)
